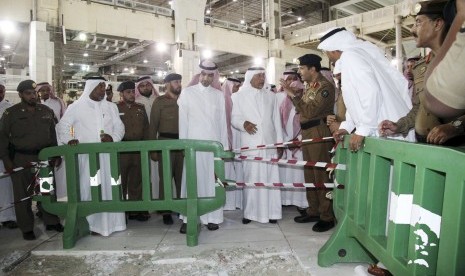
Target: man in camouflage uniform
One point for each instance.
(25, 129)
(136, 126)
(429, 31)
(314, 106)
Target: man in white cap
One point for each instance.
(146, 93)
(256, 114)
(48, 98)
(92, 119)
(202, 116)
(232, 168)
(7, 216)
(373, 89)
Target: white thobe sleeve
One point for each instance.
(362, 85)
(237, 120)
(183, 117)
(118, 126)
(277, 121)
(224, 127)
(65, 127)
(348, 124)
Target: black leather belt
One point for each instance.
(169, 135)
(312, 123)
(27, 152)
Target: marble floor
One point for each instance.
(285, 236)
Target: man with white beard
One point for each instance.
(256, 114)
(202, 116)
(92, 119)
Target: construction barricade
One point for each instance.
(74, 210)
(403, 204)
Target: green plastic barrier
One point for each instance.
(75, 211)
(403, 205)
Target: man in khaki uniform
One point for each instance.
(164, 121)
(25, 129)
(136, 126)
(314, 106)
(429, 31)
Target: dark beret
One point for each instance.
(434, 7)
(309, 60)
(144, 78)
(172, 77)
(25, 85)
(126, 85)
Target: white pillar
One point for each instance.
(41, 53)
(399, 56)
(185, 63)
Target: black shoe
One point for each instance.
(323, 226)
(10, 224)
(56, 227)
(167, 219)
(183, 228)
(302, 211)
(212, 226)
(133, 216)
(142, 217)
(29, 236)
(274, 221)
(246, 221)
(306, 218)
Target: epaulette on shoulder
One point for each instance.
(421, 61)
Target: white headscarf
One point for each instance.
(91, 84)
(249, 75)
(209, 67)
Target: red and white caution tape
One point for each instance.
(285, 185)
(278, 145)
(294, 162)
(32, 164)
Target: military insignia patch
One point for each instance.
(325, 93)
(423, 69)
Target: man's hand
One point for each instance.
(251, 128)
(73, 142)
(387, 128)
(440, 134)
(338, 135)
(356, 142)
(55, 162)
(105, 138)
(330, 119)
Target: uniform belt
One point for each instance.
(169, 135)
(312, 123)
(27, 152)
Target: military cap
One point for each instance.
(309, 60)
(172, 77)
(434, 7)
(126, 85)
(25, 85)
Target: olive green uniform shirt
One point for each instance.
(135, 120)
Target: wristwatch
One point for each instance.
(458, 126)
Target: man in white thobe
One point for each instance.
(92, 119)
(7, 215)
(146, 93)
(232, 168)
(290, 120)
(373, 89)
(202, 116)
(256, 114)
(48, 98)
